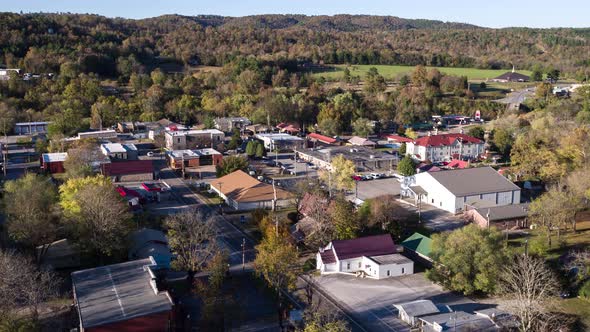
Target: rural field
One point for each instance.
(391, 72)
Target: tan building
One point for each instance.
(193, 139)
(243, 192)
(193, 158)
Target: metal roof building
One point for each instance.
(120, 297)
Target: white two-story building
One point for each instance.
(445, 147)
(371, 256)
(452, 190)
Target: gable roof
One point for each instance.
(418, 308)
(355, 140)
(506, 212)
(117, 292)
(457, 163)
(512, 77)
(375, 245)
(471, 181)
(322, 138)
(446, 140)
(419, 243)
(397, 138)
(241, 187)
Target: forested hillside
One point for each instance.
(42, 42)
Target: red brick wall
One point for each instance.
(152, 323)
(217, 159)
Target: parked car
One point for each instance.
(367, 177)
(357, 178)
(376, 175)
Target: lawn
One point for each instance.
(571, 240)
(392, 72)
(578, 307)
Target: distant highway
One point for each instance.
(517, 97)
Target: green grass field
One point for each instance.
(393, 72)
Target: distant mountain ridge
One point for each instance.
(44, 41)
(340, 22)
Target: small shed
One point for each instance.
(53, 163)
(410, 311)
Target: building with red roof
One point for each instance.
(374, 256)
(445, 147)
(315, 137)
(391, 138)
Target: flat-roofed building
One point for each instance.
(100, 134)
(364, 159)
(193, 158)
(281, 141)
(193, 139)
(119, 151)
(31, 128)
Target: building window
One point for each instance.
(403, 270)
(440, 203)
(359, 265)
(433, 201)
(388, 273)
(348, 266)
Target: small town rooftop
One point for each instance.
(118, 292)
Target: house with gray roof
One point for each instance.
(374, 257)
(453, 190)
(502, 217)
(410, 311)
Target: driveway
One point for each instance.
(371, 301)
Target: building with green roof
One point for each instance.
(420, 245)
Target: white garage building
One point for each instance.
(372, 256)
(453, 189)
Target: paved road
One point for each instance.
(517, 97)
(229, 236)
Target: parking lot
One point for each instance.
(371, 301)
(375, 188)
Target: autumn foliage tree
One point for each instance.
(96, 215)
(277, 262)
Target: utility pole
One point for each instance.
(330, 174)
(243, 254)
(419, 208)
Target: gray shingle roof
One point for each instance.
(418, 308)
(116, 293)
(506, 212)
(473, 181)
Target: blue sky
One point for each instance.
(496, 13)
